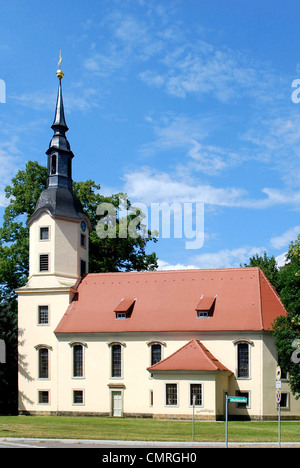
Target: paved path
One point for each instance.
(10, 442)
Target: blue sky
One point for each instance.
(168, 101)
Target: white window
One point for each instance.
(43, 315)
(44, 233)
(121, 315)
(202, 313)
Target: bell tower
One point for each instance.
(58, 251)
(58, 259)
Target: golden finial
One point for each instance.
(59, 72)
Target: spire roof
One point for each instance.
(59, 119)
(58, 199)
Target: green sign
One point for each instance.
(237, 399)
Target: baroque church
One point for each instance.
(160, 344)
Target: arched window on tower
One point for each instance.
(53, 164)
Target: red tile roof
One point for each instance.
(193, 356)
(167, 301)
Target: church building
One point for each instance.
(160, 344)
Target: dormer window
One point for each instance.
(206, 306)
(124, 308)
(202, 313)
(121, 315)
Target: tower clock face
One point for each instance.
(83, 226)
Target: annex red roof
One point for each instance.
(167, 301)
(191, 357)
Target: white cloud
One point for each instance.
(281, 259)
(163, 265)
(227, 258)
(286, 238)
(149, 186)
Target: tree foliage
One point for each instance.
(286, 329)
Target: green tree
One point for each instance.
(106, 254)
(268, 265)
(286, 328)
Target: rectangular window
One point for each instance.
(44, 396)
(246, 395)
(171, 394)
(44, 233)
(121, 315)
(202, 314)
(82, 267)
(43, 315)
(284, 400)
(44, 262)
(116, 358)
(77, 397)
(196, 392)
(82, 240)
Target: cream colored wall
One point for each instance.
(63, 247)
(37, 246)
(136, 382)
(68, 251)
(31, 334)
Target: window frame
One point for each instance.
(40, 233)
(237, 344)
(74, 403)
(197, 405)
(40, 392)
(39, 348)
(111, 346)
(48, 262)
(73, 345)
(43, 324)
(175, 386)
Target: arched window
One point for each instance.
(53, 164)
(243, 360)
(116, 360)
(43, 361)
(77, 360)
(155, 353)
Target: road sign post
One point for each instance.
(231, 399)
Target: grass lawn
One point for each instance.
(145, 429)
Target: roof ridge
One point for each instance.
(187, 270)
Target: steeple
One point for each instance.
(59, 152)
(58, 198)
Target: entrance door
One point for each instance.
(117, 409)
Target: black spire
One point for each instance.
(59, 151)
(58, 198)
